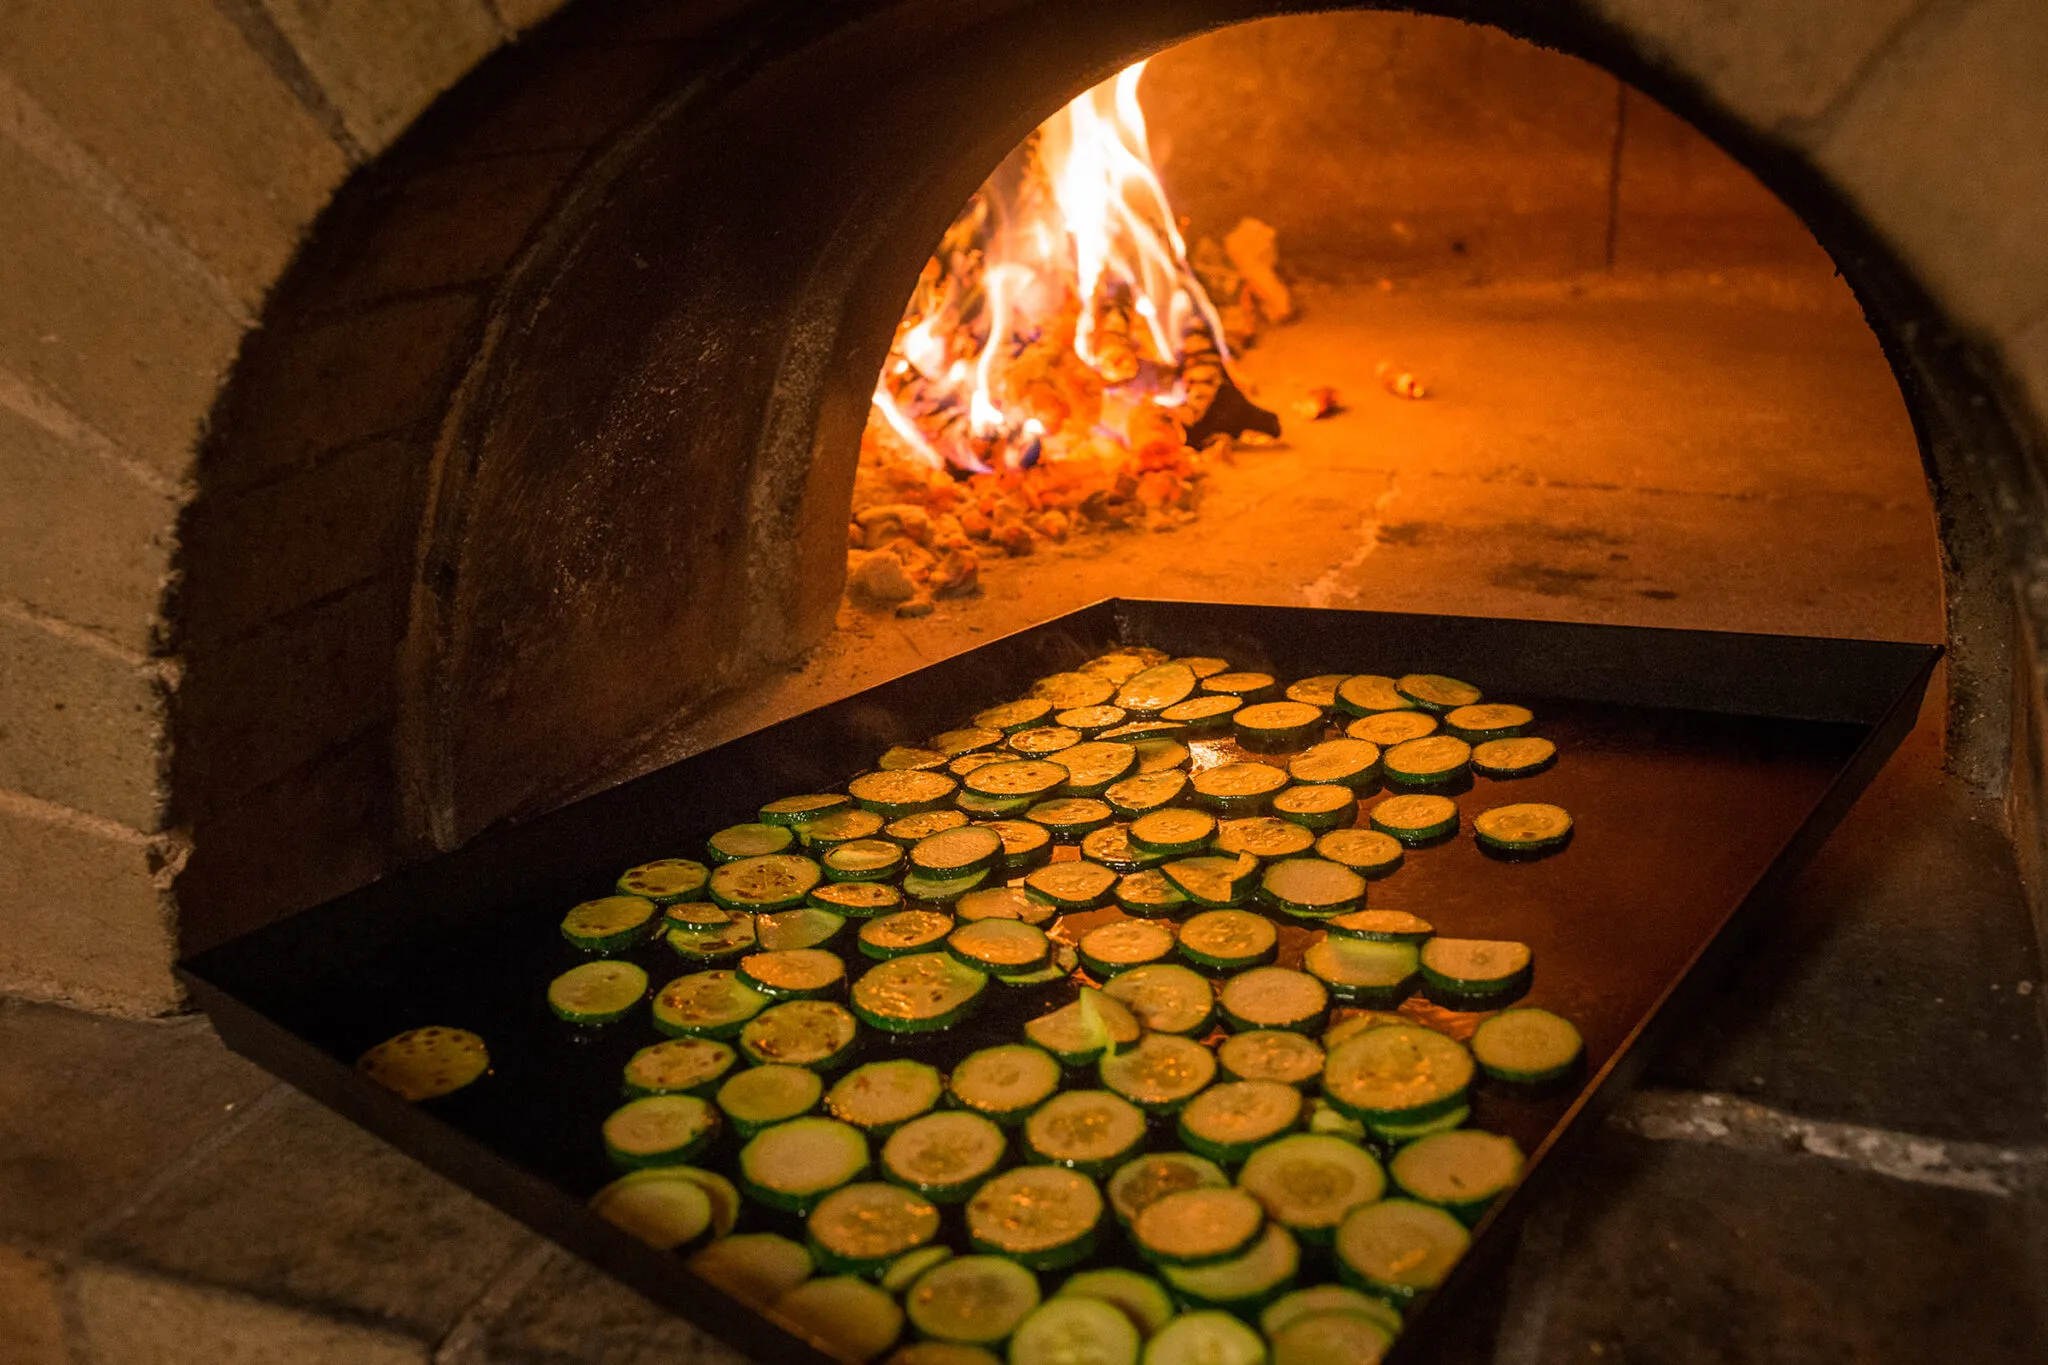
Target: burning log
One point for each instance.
(1201, 370)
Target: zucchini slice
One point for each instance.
(660, 1130)
(1173, 832)
(1246, 684)
(803, 927)
(979, 807)
(911, 828)
(980, 758)
(1143, 1181)
(1230, 1119)
(1041, 740)
(895, 792)
(944, 1156)
(1475, 972)
(1000, 947)
(1382, 926)
(666, 880)
(1356, 1022)
(1400, 1073)
(1002, 902)
(1388, 728)
(1363, 972)
(1309, 1182)
(1527, 1046)
(1198, 1226)
(1165, 997)
(754, 1267)
(839, 826)
(792, 1165)
(1152, 691)
(715, 1004)
(907, 1269)
(942, 890)
(1274, 997)
(776, 881)
(1121, 665)
(917, 994)
(1069, 818)
(1153, 733)
(1095, 765)
(1149, 893)
(852, 1319)
(714, 943)
(1205, 714)
(1509, 758)
(1025, 843)
(1430, 761)
(1209, 1337)
(1148, 792)
(910, 758)
(1091, 720)
(878, 1096)
(1398, 1248)
(1005, 1082)
(1528, 827)
(801, 810)
(1333, 1338)
(1238, 788)
(1159, 1075)
(859, 900)
(1159, 753)
(1317, 806)
(680, 1066)
(1460, 1172)
(749, 841)
(1085, 1029)
(1069, 887)
(1111, 846)
(1313, 887)
(1324, 1117)
(794, 973)
(1327, 1298)
(957, 852)
(813, 1033)
(1020, 778)
(1271, 1054)
(1274, 726)
(724, 1195)
(1265, 837)
(1368, 852)
(972, 1300)
(1493, 720)
(1037, 1217)
(1346, 762)
(610, 924)
(1122, 945)
(1075, 1331)
(1014, 715)
(1090, 1131)
(903, 933)
(1435, 692)
(863, 860)
(1392, 1136)
(966, 740)
(1245, 1283)
(1416, 820)
(1064, 690)
(597, 992)
(1205, 665)
(858, 1229)
(665, 1212)
(1227, 940)
(426, 1063)
(763, 1096)
(1138, 1297)
(1214, 879)
(1320, 690)
(941, 1353)
(1366, 694)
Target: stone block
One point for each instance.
(383, 61)
(93, 1108)
(30, 1307)
(1944, 145)
(78, 726)
(100, 323)
(301, 1207)
(126, 1318)
(79, 538)
(170, 100)
(570, 1311)
(82, 917)
(1766, 61)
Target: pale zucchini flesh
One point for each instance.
(1090, 1131)
(1004, 1082)
(1143, 1180)
(1527, 1046)
(426, 1063)
(860, 1228)
(1398, 1248)
(1039, 1217)
(1274, 997)
(944, 1156)
(1228, 940)
(1165, 996)
(1231, 1119)
(972, 1300)
(762, 1096)
(1271, 1055)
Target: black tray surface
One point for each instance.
(1700, 770)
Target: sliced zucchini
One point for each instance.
(1173, 831)
(610, 924)
(597, 992)
(1238, 788)
(1084, 1029)
(1275, 726)
(1350, 763)
(1064, 690)
(858, 1229)
(1096, 765)
(1162, 1073)
(802, 810)
(1274, 997)
(1368, 852)
(1314, 887)
(1309, 1182)
(944, 1156)
(1075, 1331)
(1198, 1226)
(1025, 843)
(1144, 1180)
(1004, 1082)
(1146, 732)
(859, 900)
(941, 1353)
(972, 1300)
(911, 758)
(895, 792)
(1214, 879)
(426, 1063)
(698, 915)
(749, 841)
(1333, 1338)
(1427, 762)
(979, 807)
(1401, 1073)
(1070, 887)
(680, 1066)
(1014, 715)
(905, 932)
(1263, 836)
(1324, 1117)
(794, 973)
(1436, 693)
(1508, 758)
(957, 852)
(656, 1206)
(1148, 792)
(1356, 1022)
(1388, 728)
(840, 826)
(1138, 1297)
(1159, 754)
(754, 1267)
(877, 1096)
(1041, 740)
(1152, 691)
(1165, 997)
(1460, 1172)
(1527, 1046)
(1121, 665)
(1000, 947)
(1122, 945)
(715, 1004)
(1149, 893)
(1366, 694)
(1377, 975)
(852, 1319)
(1246, 1282)
(1327, 1298)
(920, 993)
(792, 1165)
(980, 758)
(1382, 926)
(966, 740)
(1319, 691)
(1228, 940)
(1416, 820)
(1205, 665)
(763, 1096)
(1317, 807)
(1091, 720)
(1002, 902)
(1069, 818)
(1398, 1249)
(1111, 846)
(1038, 1217)
(813, 1033)
(1021, 778)
(1493, 720)
(911, 828)
(942, 890)
(660, 1130)
(907, 1269)
(666, 880)
(803, 927)
(1245, 684)
(1090, 1131)
(1391, 1136)
(1528, 827)
(1230, 1119)
(863, 860)
(1210, 1337)
(1270, 1054)
(776, 881)
(1204, 714)
(714, 943)
(1474, 972)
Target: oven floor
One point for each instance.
(1845, 1159)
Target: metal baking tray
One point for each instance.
(1702, 770)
